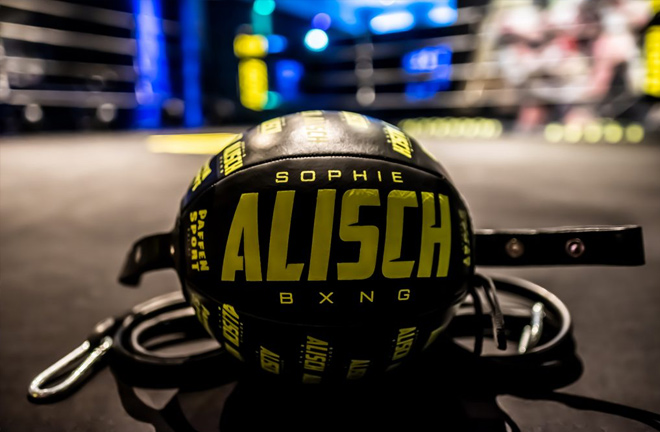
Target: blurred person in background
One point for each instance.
(579, 56)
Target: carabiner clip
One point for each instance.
(38, 392)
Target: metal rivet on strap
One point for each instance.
(515, 248)
(575, 247)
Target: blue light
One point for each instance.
(152, 85)
(392, 22)
(444, 15)
(321, 21)
(416, 91)
(288, 74)
(353, 16)
(427, 59)
(433, 61)
(276, 43)
(316, 40)
(191, 51)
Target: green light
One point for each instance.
(274, 100)
(264, 7)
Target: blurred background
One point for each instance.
(545, 112)
(572, 70)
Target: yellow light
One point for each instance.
(634, 133)
(454, 129)
(465, 126)
(441, 127)
(471, 128)
(488, 129)
(652, 49)
(478, 121)
(433, 126)
(419, 126)
(207, 143)
(253, 83)
(250, 46)
(613, 132)
(554, 132)
(426, 126)
(573, 132)
(412, 127)
(593, 132)
(498, 128)
(460, 127)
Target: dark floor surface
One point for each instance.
(70, 206)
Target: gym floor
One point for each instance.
(71, 205)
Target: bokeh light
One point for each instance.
(444, 15)
(316, 40)
(274, 100)
(276, 43)
(392, 22)
(264, 7)
(321, 21)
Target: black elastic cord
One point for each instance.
(496, 315)
(136, 364)
(478, 330)
(133, 361)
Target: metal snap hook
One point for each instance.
(37, 390)
(531, 334)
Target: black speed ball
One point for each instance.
(324, 246)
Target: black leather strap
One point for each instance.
(606, 245)
(609, 245)
(149, 253)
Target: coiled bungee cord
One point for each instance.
(130, 343)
